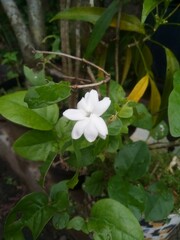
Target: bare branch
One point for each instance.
(106, 74)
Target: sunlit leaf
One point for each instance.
(139, 89)
(109, 219)
(36, 145)
(13, 107)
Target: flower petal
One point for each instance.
(102, 106)
(74, 114)
(92, 99)
(100, 126)
(78, 128)
(82, 104)
(91, 132)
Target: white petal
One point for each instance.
(74, 114)
(92, 98)
(82, 104)
(100, 126)
(102, 106)
(78, 128)
(91, 132)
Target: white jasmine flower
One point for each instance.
(88, 112)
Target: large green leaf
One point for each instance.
(174, 107)
(133, 197)
(33, 212)
(109, 219)
(171, 68)
(132, 160)
(13, 107)
(36, 145)
(42, 96)
(92, 14)
(159, 202)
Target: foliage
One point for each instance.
(116, 168)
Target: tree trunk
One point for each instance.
(36, 22)
(20, 29)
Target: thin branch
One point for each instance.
(106, 74)
(160, 145)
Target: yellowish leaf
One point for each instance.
(139, 89)
(155, 98)
(128, 58)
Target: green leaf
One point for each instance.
(92, 15)
(115, 142)
(46, 166)
(148, 6)
(60, 220)
(173, 107)
(172, 65)
(116, 92)
(125, 111)
(109, 219)
(33, 212)
(159, 202)
(36, 145)
(59, 196)
(141, 117)
(133, 197)
(71, 183)
(115, 127)
(101, 26)
(82, 157)
(48, 94)
(35, 78)
(132, 161)
(13, 107)
(94, 184)
(77, 223)
(160, 131)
